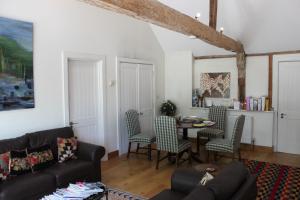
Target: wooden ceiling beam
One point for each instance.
(213, 13)
(154, 12)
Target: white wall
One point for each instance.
(257, 69)
(70, 25)
(182, 74)
(178, 79)
(217, 65)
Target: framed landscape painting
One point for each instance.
(215, 85)
(16, 64)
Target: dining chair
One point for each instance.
(228, 145)
(216, 114)
(135, 135)
(167, 140)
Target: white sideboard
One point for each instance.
(258, 125)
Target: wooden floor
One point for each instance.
(139, 176)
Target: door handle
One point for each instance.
(73, 123)
(282, 115)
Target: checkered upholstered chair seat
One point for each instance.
(142, 138)
(229, 145)
(211, 133)
(135, 134)
(167, 139)
(219, 144)
(216, 114)
(183, 145)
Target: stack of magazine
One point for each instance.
(78, 191)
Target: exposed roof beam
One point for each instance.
(213, 13)
(159, 14)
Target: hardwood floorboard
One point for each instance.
(139, 176)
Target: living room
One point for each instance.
(70, 72)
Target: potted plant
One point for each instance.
(168, 108)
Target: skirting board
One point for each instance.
(113, 154)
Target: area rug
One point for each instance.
(115, 194)
(275, 182)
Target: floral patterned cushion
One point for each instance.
(40, 157)
(19, 163)
(4, 166)
(67, 148)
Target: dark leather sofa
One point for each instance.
(35, 185)
(233, 183)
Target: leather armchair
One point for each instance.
(234, 182)
(91, 153)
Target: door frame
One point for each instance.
(101, 64)
(277, 59)
(120, 60)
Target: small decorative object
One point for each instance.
(168, 108)
(196, 98)
(16, 64)
(236, 105)
(215, 85)
(208, 102)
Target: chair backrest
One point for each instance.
(132, 123)
(166, 134)
(217, 114)
(237, 132)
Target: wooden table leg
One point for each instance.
(195, 155)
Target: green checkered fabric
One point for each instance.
(216, 114)
(132, 123)
(226, 145)
(134, 129)
(166, 136)
(142, 138)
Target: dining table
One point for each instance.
(185, 125)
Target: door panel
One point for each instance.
(128, 98)
(146, 98)
(289, 107)
(83, 100)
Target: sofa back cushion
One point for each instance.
(228, 181)
(49, 137)
(19, 143)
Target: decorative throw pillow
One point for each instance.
(4, 166)
(40, 157)
(19, 163)
(67, 148)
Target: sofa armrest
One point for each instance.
(185, 180)
(248, 191)
(200, 192)
(90, 152)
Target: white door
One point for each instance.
(289, 107)
(136, 92)
(146, 98)
(85, 100)
(128, 98)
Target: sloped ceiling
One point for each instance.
(261, 25)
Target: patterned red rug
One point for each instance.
(275, 182)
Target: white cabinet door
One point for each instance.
(84, 100)
(128, 99)
(289, 108)
(136, 91)
(146, 108)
